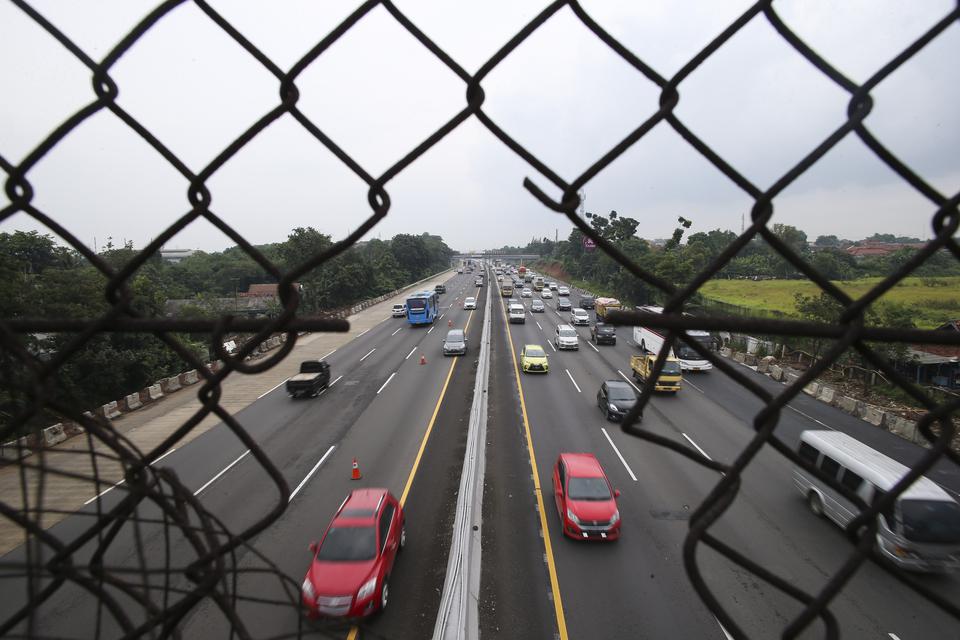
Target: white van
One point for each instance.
(922, 530)
(517, 314)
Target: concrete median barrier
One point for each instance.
(189, 377)
(153, 393)
(826, 394)
(54, 435)
(110, 410)
(132, 402)
(169, 385)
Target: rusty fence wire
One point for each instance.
(153, 596)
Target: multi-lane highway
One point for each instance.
(405, 422)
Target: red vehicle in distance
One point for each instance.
(349, 575)
(586, 502)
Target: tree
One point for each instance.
(827, 241)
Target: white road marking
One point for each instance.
(362, 332)
(368, 353)
(892, 635)
(223, 471)
(551, 346)
(328, 355)
(431, 330)
(266, 392)
(111, 488)
(333, 383)
(312, 471)
(696, 446)
(396, 332)
(411, 353)
(619, 455)
(809, 417)
(629, 381)
(573, 381)
(538, 326)
(725, 632)
(386, 383)
(686, 380)
(593, 347)
(441, 316)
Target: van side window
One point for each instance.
(808, 453)
(851, 480)
(887, 513)
(829, 466)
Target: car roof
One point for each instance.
(527, 346)
(582, 465)
(360, 501)
(454, 332)
(583, 311)
(617, 384)
(565, 326)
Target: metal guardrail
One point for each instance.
(213, 575)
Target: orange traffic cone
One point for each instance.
(355, 474)
(423, 359)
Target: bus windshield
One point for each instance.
(931, 521)
(417, 304)
(685, 352)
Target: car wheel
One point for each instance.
(384, 594)
(815, 504)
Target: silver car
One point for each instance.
(455, 343)
(526, 293)
(470, 303)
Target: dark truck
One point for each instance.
(314, 376)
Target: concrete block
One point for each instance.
(790, 377)
(847, 404)
(54, 435)
(776, 372)
(10, 451)
(132, 402)
(189, 377)
(873, 415)
(153, 393)
(738, 356)
(765, 363)
(169, 385)
(826, 394)
(726, 351)
(110, 410)
(750, 359)
(907, 429)
(812, 389)
(72, 429)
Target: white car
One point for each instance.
(579, 316)
(567, 338)
(399, 311)
(517, 314)
(470, 303)
(563, 291)
(526, 293)
(546, 293)
(553, 286)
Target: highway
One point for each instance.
(405, 422)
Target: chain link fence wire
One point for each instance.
(151, 596)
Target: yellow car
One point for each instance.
(534, 359)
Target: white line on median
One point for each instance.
(111, 488)
(328, 355)
(334, 382)
(538, 326)
(431, 330)
(396, 332)
(411, 353)
(441, 316)
(386, 383)
(809, 417)
(629, 381)
(619, 455)
(368, 353)
(573, 381)
(551, 346)
(593, 347)
(312, 471)
(362, 332)
(690, 440)
(686, 380)
(225, 469)
(266, 392)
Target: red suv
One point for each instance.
(351, 565)
(586, 502)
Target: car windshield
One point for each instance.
(579, 312)
(670, 368)
(605, 329)
(935, 521)
(536, 303)
(470, 300)
(535, 352)
(620, 393)
(455, 336)
(568, 333)
(348, 544)
(588, 489)
(515, 308)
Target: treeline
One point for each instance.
(678, 262)
(42, 279)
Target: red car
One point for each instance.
(586, 502)
(350, 571)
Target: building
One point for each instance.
(938, 364)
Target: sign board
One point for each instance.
(589, 244)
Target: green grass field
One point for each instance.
(933, 300)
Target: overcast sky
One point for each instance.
(378, 93)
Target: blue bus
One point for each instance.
(423, 307)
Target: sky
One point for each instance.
(378, 93)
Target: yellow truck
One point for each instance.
(670, 375)
(602, 305)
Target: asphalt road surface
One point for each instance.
(406, 424)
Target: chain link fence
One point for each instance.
(151, 596)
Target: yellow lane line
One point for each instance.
(548, 546)
(423, 445)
